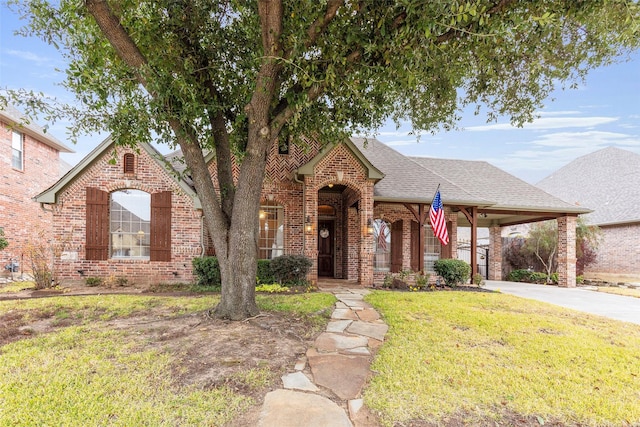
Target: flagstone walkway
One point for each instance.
(324, 389)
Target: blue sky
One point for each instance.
(602, 112)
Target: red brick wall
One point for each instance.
(69, 224)
(618, 252)
(21, 218)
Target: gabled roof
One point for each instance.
(486, 181)
(50, 195)
(606, 181)
(372, 171)
(407, 181)
(15, 118)
(499, 197)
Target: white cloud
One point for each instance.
(548, 123)
(557, 113)
(585, 139)
(28, 56)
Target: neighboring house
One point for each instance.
(30, 162)
(608, 182)
(358, 209)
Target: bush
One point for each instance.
(264, 273)
(93, 281)
(520, 275)
(478, 280)
(207, 271)
(453, 271)
(3, 241)
(290, 269)
(538, 277)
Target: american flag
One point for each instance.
(436, 217)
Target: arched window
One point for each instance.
(271, 239)
(382, 245)
(130, 224)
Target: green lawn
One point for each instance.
(86, 373)
(482, 358)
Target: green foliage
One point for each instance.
(207, 271)
(291, 269)
(3, 241)
(520, 275)
(478, 280)
(538, 277)
(93, 281)
(264, 273)
(273, 288)
(453, 271)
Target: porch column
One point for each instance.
(310, 221)
(567, 251)
(495, 252)
(365, 276)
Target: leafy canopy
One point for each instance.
(343, 66)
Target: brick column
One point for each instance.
(310, 236)
(365, 276)
(495, 252)
(567, 251)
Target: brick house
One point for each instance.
(30, 161)
(358, 209)
(607, 182)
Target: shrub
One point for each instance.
(520, 275)
(453, 271)
(538, 277)
(478, 280)
(93, 281)
(264, 273)
(290, 269)
(3, 241)
(207, 271)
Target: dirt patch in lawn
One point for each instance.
(248, 357)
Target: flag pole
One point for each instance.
(436, 192)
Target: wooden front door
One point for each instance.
(325, 248)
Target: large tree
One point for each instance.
(236, 76)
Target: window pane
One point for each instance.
(382, 245)
(130, 224)
(16, 150)
(271, 240)
(431, 249)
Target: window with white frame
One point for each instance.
(382, 245)
(271, 239)
(17, 150)
(432, 249)
(130, 224)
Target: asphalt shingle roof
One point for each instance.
(464, 182)
(607, 181)
(489, 182)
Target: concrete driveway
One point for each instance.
(612, 306)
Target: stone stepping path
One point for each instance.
(325, 389)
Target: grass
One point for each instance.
(86, 375)
(629, 292)
(13, 287)
(483, 357)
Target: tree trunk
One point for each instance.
(238, 273)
